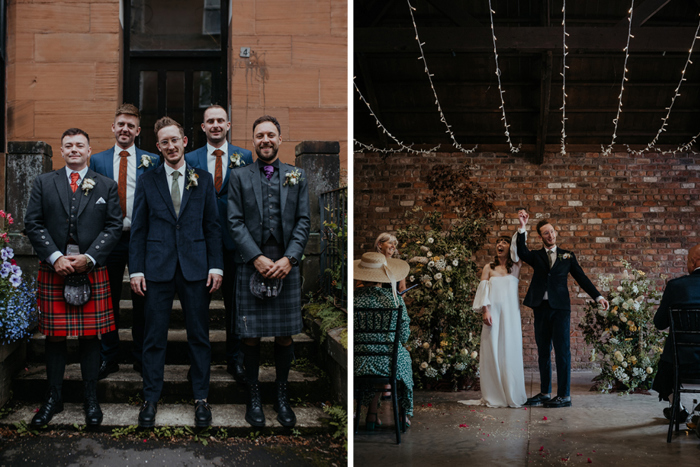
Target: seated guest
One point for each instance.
(386, 244)
(373, 270)
(684, 289)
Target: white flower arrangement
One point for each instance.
(292, 178)
(87, 185)
(236, 160)
(146, 161)
(192, 179)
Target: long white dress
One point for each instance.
(501, 362)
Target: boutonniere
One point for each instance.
(87, 185)
(292, 178)
(146, 161)
(564, 256)
(192, 179)
(236, 160)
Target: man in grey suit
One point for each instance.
(219, 158)
(73, 221)
(124, 163)
(268, 217)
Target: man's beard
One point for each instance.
(272, 156)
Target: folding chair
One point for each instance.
(377, 332)
(685, 339)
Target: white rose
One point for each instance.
(438, 276)
(618, 356)
(650, 370)
(424, 365)
(464, 352)
(428, 284)
(412, 279)
(455, 263)
(438, 360)
(475, 354)
(431, 264)
(448, 280)
(431, 240)
(426, 345)
(624, 364)
(619, 288)
(623, 318)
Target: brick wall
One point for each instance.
(644, 209)
(64, 70)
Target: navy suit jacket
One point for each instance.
(103, 162)
(198, 159)
(160, 239)
(245, 211)
(678, 291)
(553, 281)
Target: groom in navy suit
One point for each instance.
(548, 296)
(175, 247)
(219, 157)
(124, 163)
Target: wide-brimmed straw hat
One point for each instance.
(375, 267)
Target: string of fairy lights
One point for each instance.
(408, 148)
(513, 149)
(616, 120)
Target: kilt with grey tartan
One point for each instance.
(279, 316)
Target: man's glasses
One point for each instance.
(164, 142)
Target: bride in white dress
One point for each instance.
(501, 363)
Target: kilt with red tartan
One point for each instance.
(57, 318)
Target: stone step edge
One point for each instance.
(177, 305)
(172, 374)
(229, 416)
(180, 335)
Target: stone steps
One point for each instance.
(126, 384)
(304, 347)
(217, 315)
(227, 416)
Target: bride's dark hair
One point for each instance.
(509, 261)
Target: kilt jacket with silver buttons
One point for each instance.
(99, 218)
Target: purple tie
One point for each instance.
(269, 170)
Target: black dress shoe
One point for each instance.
(285, 414)
(253, 411)
(93, 413)
(52, 406)
(107, 368)
(236, 370)
(202, 414)
(147, 415)
(557, 402)
(682, 414)
(537, 400)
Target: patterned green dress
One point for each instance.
(375, 297)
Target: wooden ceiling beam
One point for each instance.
(545, 95)
(522, 39)
(643, 13)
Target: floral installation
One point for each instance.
(292, 178)
(87, 185)
(439, 245)
(146, 161)
(236, 160)
(192, 179)
(564, 256)
(18, 310)
(626, 345)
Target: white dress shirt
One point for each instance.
(130, 179)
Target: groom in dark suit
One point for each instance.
(175, 247)
(548, 296)
(219, 158)
(268, 217)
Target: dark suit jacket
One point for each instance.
(684, 289)
(48, 216)
(245, 210)
(553, 281)
(103, 162)
(160, 240)
(198, 158)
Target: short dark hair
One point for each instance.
(541, 224)
(214, 106)
(167, 121)
(267, 118)
(128, 109)
(73, 132)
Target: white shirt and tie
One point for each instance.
(211, 158)
(131, 166)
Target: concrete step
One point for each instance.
(217, 315)
(228, 416)
(126, 384)
(304, 347)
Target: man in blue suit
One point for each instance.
(124, 163)
(219, 157)
(678, 291)
(175, 247)
(548, 296)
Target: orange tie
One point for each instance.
(74, 181)
(218, 175)
(121, 189)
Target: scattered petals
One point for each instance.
(541, 448)
(463, 425)
(429, 404)
(590, 461)
(579, 454)
(544, 418)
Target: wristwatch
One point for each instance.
(89, 262)
(293, 261)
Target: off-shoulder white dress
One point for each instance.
(501, 362)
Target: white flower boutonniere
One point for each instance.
(564, 256)
(146, 161)
(87, 185)
(192, 179)
(236, 160)
(292, 178)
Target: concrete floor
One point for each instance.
(601, 429)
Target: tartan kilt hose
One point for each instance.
(280, 316)
(57, 318)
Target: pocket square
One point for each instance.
(101, 201)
